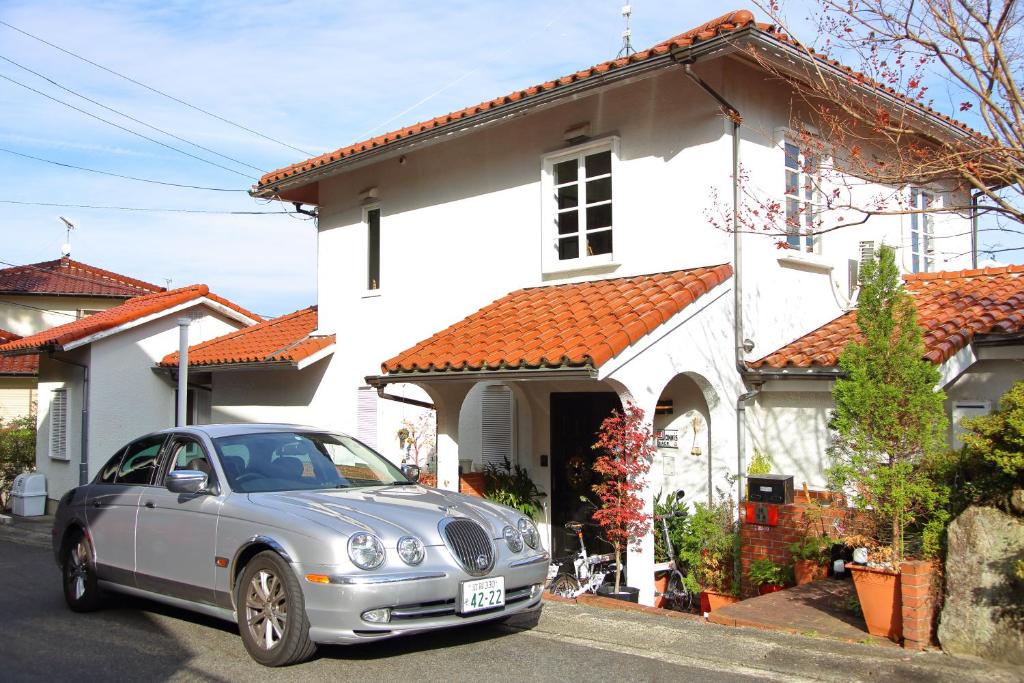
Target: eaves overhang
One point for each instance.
(534, 374)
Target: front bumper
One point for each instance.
(420, 600)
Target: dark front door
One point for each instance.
(575, 420)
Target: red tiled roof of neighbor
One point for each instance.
(572, 325)
(952, 307)
(280, 340)
(7, 336)
(131, 310)
(19, 365)
(727, 23)
(64, 277)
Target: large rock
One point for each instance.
(984, 610)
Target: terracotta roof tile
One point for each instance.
(283, 340)
(554, 326)
(8, 336)
(952, 307)
(131, 310)
(67, 277)
(27, 366)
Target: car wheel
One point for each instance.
(271, 612)
(564, 585)
(81, 590)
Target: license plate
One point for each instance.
(482, 594)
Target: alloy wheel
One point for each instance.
(266, 609)
(78, 570)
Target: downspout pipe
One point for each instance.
(83, 460)
(181, 418)
(402, 399)
(974, 228)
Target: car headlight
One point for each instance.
(410, 549)
(514, 539)
(366, 551)
(529, 532)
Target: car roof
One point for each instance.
(214, 431)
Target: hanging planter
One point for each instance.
(878, 591)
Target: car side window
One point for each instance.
(186, 454)
(108, 473)
(139, 463)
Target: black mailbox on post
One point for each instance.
(770, 488)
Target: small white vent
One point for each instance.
(59, 424)
(497, 409)
(366, 416)
(867, 253)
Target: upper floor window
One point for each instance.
(922, 252)
(372, 220)
(801, 197)
(579, 184)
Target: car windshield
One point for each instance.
(293, 461)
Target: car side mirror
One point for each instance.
(187, 481)
(411, 472)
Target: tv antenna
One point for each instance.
(65, 249)
(627, 35)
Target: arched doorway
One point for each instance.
(683, 431)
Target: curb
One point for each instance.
(589, 600)
(6, 519)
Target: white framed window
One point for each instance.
(578, 205)
(366, 416)
(801, 198)
(59, 424)
(371, 219)
(962, 409)
(922, 224)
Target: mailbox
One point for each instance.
(770, 488)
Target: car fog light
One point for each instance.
(529, 532)
(514, 539)
(536, 589)
(377, 616)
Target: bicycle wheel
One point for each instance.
(676, 596)
(564, 585)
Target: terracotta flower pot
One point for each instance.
(712, 600)
(806, 571)
(660, 586)
(879, 593)
(766, 588)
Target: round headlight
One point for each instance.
(529, 532)
(410, 549)
(514, 539)
(366, 551)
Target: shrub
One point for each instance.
(17, 453)
(764, 572)
(677, 526)
(512, 486)
(709, 547)
(761, 463)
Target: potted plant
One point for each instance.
(709, 546)
(810, 558)
(767, 576)
(888, 418)
(627, 448)
(511, 485)
(678, 522)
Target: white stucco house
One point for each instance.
(99, 385)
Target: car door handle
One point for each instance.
(150, 504)
(97, 503)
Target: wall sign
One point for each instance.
(666, 438)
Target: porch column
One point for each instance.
(448, 399)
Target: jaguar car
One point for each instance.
(298, 535)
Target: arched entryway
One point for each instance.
(684, 433)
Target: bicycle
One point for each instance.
(676, 596)
(589, 571)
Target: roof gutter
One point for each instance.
(585, 373)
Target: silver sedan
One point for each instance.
(300, 536)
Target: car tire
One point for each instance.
(271, 612)
(78, 575)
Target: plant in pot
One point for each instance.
(627, 448)
(709, 549)
(511, 485)
(767, 576)
(677, 520)
(888, 418)
(810, 558)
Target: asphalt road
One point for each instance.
(132, 639)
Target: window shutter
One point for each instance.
(366, 416)
(867, 253)
(496, 423)
(59, 424)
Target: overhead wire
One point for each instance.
(152, 89)
(124, 128)
(128, 116)
(37, 308)
(146, 209)
(119, 175)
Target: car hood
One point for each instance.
(389, 512)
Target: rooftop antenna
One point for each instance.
(627, 42)
(65, 249)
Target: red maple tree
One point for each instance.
(627, 450)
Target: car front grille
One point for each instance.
(469, 544)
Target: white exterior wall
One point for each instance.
(25, 315)
(17, 397)
(278, 395)
(61, 475)
(789, 422)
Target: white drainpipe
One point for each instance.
(183, 324)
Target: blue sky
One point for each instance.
(316, 75)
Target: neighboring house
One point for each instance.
(529, 263)
(98, 381)
(39, 296)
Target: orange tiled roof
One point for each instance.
(727, 23)
(27, 366)
(574, 325)
(7, 336)
(66, 277)
(283, 340)
(952, 307)
(133, 309)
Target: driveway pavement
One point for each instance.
(135, 639)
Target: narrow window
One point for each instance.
(582, 187)
(496, 443)
(373, 249)
(801, 195)
(59, 424)
(922, 253)
(366, 416)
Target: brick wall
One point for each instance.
(920, 587)
(472, 483)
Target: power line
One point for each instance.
(118, 175)
(138, 208)
(37, 308)
(154, 90)
(127, 130)
(127, 116)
